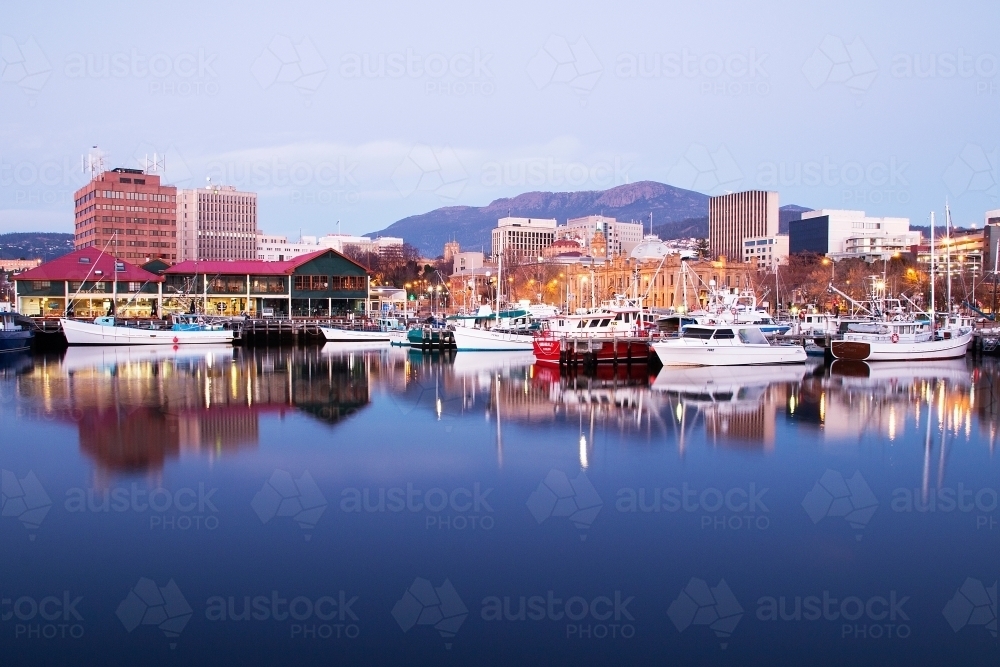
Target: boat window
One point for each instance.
(618, 317)
(594, 322)
(752, 337)
(697, 332)
(724, 334)
(605, 322)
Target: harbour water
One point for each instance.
(342, 505)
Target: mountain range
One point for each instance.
(31, 245)
(677, 213)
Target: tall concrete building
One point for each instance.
(216, 223)
(738, 216)
(523, 236)
(128, 212)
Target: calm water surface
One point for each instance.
(373, 506)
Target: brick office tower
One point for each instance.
(128, 212)
(217, 223)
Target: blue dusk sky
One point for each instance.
(364, 113)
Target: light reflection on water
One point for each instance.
(867, 481)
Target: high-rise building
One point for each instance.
(128, 212)
(216, 223)
(525, 237)
(738, 216)
(620, 237)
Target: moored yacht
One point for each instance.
(185, 330)
(383, 330)
(725, 345)
(13, 336)
(904, 340)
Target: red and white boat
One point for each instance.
(615, 332)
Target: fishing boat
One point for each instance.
(725, 345)
(905, 340)
(13, 336)
(617, 330)
(185, 330)
(509, 330)
(383, 330)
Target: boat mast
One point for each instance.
(947, 250)
(932, 271)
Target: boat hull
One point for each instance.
(678, 353)
(85, 333)
(470, 340)
(549, 350)
(15, 341)
(948, 348)
(358, 336)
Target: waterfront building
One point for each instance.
(667, 282)
(842, 234)
(217, 222)
(525, 237)
(967, 248)
(129, 212)
(766, 251)
(738, 216)
(320, 283)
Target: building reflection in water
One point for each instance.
(136, 408)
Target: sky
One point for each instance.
(351, 116)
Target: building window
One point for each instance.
(41, 284)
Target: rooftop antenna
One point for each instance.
(92, 162)
(208, 179)
(158, 163)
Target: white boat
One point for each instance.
(186, 330)
(386, 330)
(472, 339)
(725, 345)
(618, 318)
(904, 340)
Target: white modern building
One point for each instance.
(468, 261)
(768, 251)
(524, 236)
(621, 237)
(275, 248)
(841, 234)
(217, 222)
(344, 243)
